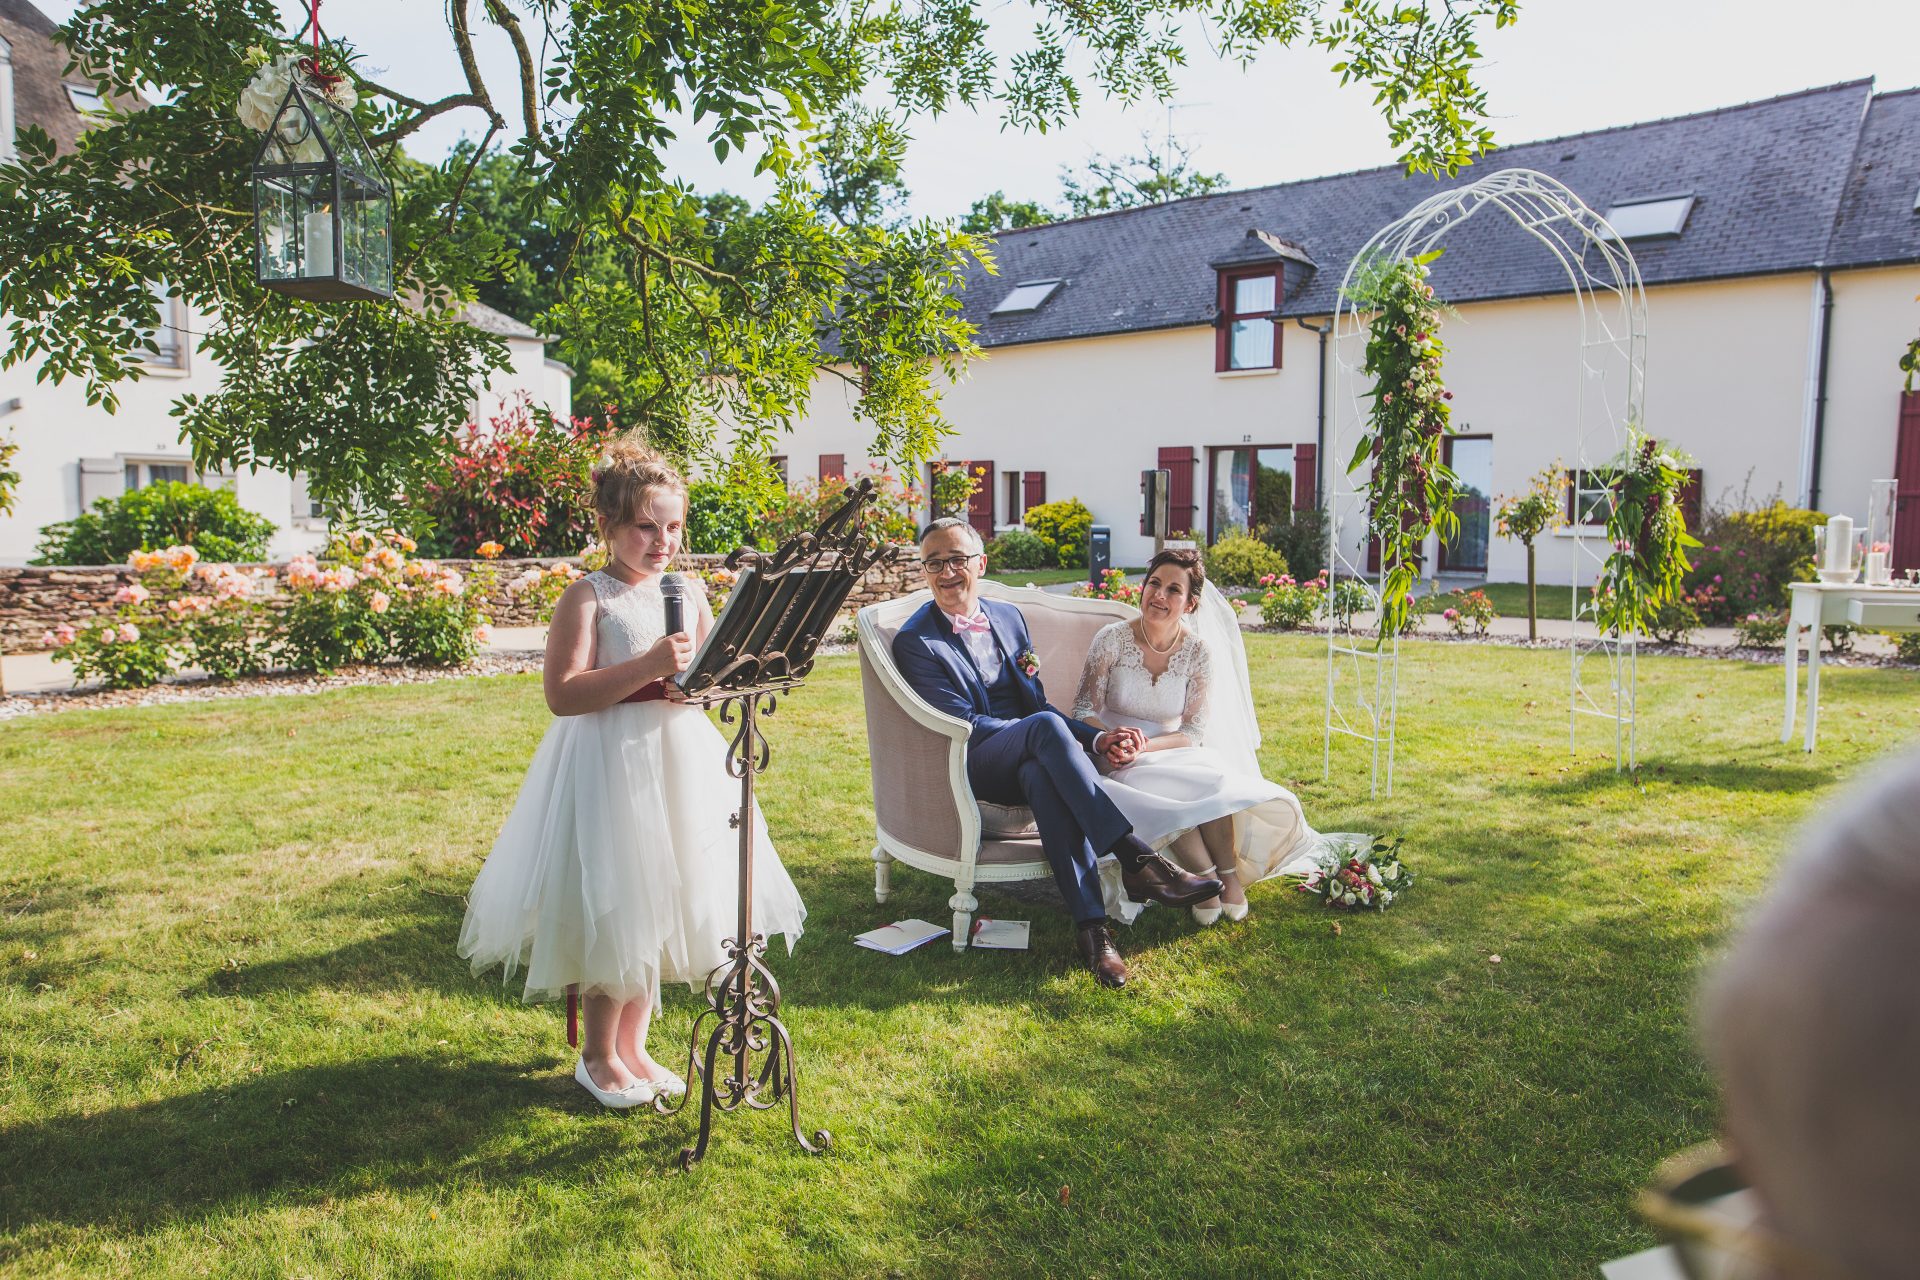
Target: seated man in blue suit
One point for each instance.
(972, 659)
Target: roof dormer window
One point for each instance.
(1649, 218)
(1027, 296)
(1247, 328)
(85, 99)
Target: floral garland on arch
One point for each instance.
(1646, 533)
(1411, 490)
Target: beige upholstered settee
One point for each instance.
(924, 810)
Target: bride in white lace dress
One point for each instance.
(1187, 774)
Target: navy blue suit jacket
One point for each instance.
(935, 664)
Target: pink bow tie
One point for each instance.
(978, 622)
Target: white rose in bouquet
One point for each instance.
(1373, 873)
(262, 96)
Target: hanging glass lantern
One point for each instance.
(322, 207)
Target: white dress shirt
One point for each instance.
(981, 645)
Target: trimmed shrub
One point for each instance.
(1906, 646)
(1747, 558)
(1302, 539)
(168, 513)
(720, 518)
(524, 480)
(1238, 560)
(1064, 527)
(1674, 621)
(1761, 630)
(1016, 549)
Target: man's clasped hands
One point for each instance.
(1119, 746)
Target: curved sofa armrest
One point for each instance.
(921, 796)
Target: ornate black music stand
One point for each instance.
(761, 647)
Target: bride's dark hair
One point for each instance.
(1182, 558)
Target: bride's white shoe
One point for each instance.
(1211, 915)
(634, 1095)
(669, 1086)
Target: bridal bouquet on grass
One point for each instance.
(1370, 879)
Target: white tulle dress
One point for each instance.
(617, 868)
(1165, 793)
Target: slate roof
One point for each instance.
(1768, 179)
(489, 320)
(1879, 222)
(39, 75)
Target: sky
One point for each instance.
(1565, 67)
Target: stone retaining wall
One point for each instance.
(36, 598)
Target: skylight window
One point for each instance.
(1026, 296)
(1643, 219)
(85, 99)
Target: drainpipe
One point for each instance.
(1820, 388)
(1320, 430)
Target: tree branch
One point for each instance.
(529, 72)
(424, 111)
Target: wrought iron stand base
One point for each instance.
(742, 997)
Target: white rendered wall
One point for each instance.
(1725, 380)
(55, 428)
(1875, 316)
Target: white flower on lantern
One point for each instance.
(261, 99)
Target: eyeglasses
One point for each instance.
(934, 568)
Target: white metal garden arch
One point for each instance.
(1363, 676)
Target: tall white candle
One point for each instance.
(1877, 568)
(319, 246)
(1840, 544)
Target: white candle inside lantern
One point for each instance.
(1839, 544)
(1877, 568)
(319, 246)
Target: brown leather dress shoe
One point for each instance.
(1155, 879)
(1096, 948)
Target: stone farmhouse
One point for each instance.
(73, 453)
(1780, 246)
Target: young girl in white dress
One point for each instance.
(617, 868)
(1184, 771)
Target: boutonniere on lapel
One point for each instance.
(1028, 662)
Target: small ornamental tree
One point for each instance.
(1527, 517)
(1410, 489)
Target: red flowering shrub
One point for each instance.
(523, 481)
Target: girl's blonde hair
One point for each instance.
(626, 471)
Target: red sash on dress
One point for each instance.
(653, 691)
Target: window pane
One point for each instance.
(1472, 461)
(1253, 295)
(1272, 488)
(1251, 345)
(133, 476)
(156, 473)
(1232, 490)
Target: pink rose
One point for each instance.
(46, 639)
(132, 594)
(106, 635)
(379, 602)
(129, 633)
(483, 633)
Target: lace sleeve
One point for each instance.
(1193, 716)
(1090, 702)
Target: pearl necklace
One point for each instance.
(1148, 640)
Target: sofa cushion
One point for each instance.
(1006, 821)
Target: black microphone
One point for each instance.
(673, 590)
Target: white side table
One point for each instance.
(1832, 604)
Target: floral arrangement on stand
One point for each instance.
(1646, 534)
(1113, 585)
(1369, 880)
(1410, 489)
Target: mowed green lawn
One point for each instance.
(235, 1038)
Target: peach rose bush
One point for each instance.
(177, 612)
(365, 599)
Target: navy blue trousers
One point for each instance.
(1038, 762)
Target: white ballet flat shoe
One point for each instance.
(634, 1095)
(1234, 910)
(1208, 915)
(669, 1086)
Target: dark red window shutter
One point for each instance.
(1306, 476)
(1222, 320)
(833, 466)
(1690, 501)
(1036, 494)
(1906, 485)
(1179, 461)
(980, 506)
